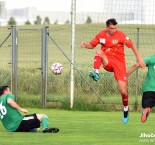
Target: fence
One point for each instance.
(27, 53)
(26, 67)
(5, 45)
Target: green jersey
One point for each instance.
(10, 117)
(149, 83)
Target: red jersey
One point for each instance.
(112, 46)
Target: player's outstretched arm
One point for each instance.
(86, 45)
(132, 69)
(15, 105)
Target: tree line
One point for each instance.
(46, 21)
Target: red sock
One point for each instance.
(97, 62)
(125, 100)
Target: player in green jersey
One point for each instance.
(148, 87)
(12, 119)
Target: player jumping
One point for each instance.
(112, 58)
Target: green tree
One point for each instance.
(38, 20)
(12, 21)
(56, 22)
(46, 20)
(67, 22)
(27, 22)
(89, 20)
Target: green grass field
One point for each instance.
(86, 128)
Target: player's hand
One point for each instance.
(23, 110)
(141, 63)
(86, 45)
(83, 44)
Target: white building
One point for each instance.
(125, 11)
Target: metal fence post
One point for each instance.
(44, 64)
(137, 77)
(73, 20)
(14, 61)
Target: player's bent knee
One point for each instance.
(98, 52)
(40, 116)
(123, 92)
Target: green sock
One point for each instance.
(34, 130)
(44, 122)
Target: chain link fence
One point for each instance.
(58, 89)
(29, 62)
(5, 56)
(29, 65)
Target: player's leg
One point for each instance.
(124, 94)
(145, 114)
(30, 123)
(120, 75)
(99, 59)
(148, 101)
(44, 122)
(35, 130)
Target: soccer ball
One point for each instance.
(56, 68)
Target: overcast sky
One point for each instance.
(40, 4)
(57, 5)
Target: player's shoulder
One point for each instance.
(5, 97)
(150, 59)
(102, 32)
(121, 35)
(120, 32)
(10, 96)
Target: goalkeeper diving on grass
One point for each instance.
(112, 58)
(148, 87)
(12, 119)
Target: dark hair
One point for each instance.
(111, 22)
(2, 89)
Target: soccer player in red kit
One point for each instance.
(112, 58)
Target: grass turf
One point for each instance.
(85, 128)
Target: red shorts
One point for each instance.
(118, 67)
